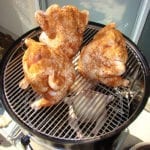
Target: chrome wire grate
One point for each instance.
(90, 110)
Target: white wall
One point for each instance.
(17, 16)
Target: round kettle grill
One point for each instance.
(90, 112)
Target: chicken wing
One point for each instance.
(63, 28)
(49, 73)
(104, 58)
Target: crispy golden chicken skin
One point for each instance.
(63, 28)
(49, 73)
(104, 58)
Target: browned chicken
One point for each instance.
(49, 73)
(104, 58)
(63, 28)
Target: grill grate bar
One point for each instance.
(61, 104)
(123, 106)
(97, 120)
(132, 70)
(48, 122)
(88, 35)
(17, 95)
(27, 114)
(37, 115)
(16, 84)
(79, 97)
(84, 84)
(29, 100)
(42, 116)
(14, 73)
(57, 123)
(40, 126)
(110, 120)
(70, 101)
(119, 119)
(122, 115)
(21, 105)
(86, 119)
(132, 64)
(80, 100)
(15, 62)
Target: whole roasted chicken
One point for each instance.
(47, 64)
(49, 73)
(104, 58)
(62, 28)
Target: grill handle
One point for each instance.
(25, 140)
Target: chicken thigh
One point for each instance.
(104, 58)
(49, 73)
(62, 28)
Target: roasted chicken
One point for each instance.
(47, 64)
(49, 73)
(62, 28)
(104, 58)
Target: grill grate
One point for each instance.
(72, 118)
